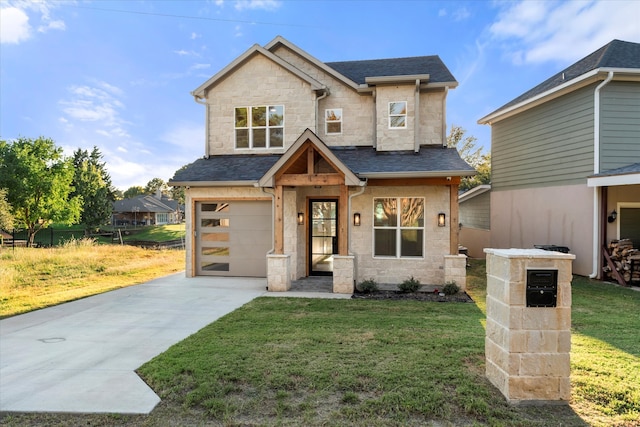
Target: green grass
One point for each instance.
(280, 361)
(156, 233)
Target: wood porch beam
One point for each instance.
(310, 179)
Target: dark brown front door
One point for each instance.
(323, 236)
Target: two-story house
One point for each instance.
(315, 168)
(566, 159)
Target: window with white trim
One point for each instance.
(259, 127)
(398, 115)
(333, 121)
(398, 227)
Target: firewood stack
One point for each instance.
(626, 260)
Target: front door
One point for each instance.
(323, 236)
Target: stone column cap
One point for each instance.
(528, 253)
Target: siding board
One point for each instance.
(620, 125)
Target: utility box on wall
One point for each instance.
(528, 333)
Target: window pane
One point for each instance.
(259, 138)
(241, 117)
(242, 138)
(258, 116)
(215, 266)
(411, 242)
(276, 115)
(333, 115)
(276, 137)
(214, 222)
(412, 212)
(398, 121)
(335, 127)
(215, 237)
(215, 207)
(385, 242)
(384, 213)
(215, 251)
(398, 107)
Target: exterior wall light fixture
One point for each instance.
(442, 219)
(356, 219)
(612, 216)
(300, 218)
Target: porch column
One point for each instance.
(343, 221)
(278, 221)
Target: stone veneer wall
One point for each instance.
(343, 274)
(455, 270)
(527, 348)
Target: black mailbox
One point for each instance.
(542, 288)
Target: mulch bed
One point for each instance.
(413, 296)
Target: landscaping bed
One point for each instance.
(414, 296)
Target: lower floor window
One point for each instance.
(398, 227)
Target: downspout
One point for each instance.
(206, 128)
(596, 170)
(375, 121)
(444, 116)
(416, 124)
(318, 99)
(363, 187)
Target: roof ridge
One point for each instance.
(383, 59)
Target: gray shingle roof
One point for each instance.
(359, 70)
(143, 204)
(362, 161)
(616, 54)
(625, 170)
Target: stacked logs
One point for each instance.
(626, 260)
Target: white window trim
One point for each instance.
(398, 229)
(405, 115)
(326, 122)
(250, 128)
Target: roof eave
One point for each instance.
(570, 86)
(415, 174)
(250, 183)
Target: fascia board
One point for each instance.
(415, 174)
(281, 40)
(555, 92)
(474, 192)
(256, 49)
(212, 183)
(613, 180)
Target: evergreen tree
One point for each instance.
(93, 183)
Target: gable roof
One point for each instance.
(620, 56)
(143, 204)
(626, 175)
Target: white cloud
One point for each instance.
(536, 32)
(98, 104)
(200, 66)
(14, 25)
(15, 16)
(190, 137)
(461, 14)
(257, 4)
(195, 36)
(442, 12)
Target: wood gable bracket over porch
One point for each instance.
(309, 162)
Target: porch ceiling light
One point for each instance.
(442, 219)
(300, 218)
(356, 219)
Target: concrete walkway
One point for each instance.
(81, 356)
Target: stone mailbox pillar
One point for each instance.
(528, 335)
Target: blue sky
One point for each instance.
(118, 74)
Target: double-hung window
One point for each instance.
(398, 115)
(259, 127)
(333, 120)
(398, 227)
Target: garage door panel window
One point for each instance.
(215, 237)
(214, 266)
(215, 207)
(215, 251)
(398, 235)
(214, 222)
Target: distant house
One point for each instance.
(312, 168)
(566, 159)
(475, 220)
(146, 210)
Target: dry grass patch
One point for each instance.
(34, 278)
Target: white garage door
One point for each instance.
(233, 238)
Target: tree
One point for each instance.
(480, 161)
(153, 186)
(38, 179)
(92, 182)
(6, 217)
(134, 191)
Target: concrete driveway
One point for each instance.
(81, 356)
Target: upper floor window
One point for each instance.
(398, 227)
(259, 127)
(333, 120)
(398, 115)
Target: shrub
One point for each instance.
(409, 285)
(450, 288)
(368, 286)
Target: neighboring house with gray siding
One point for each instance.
(338, 169)
(565, 155)
(475, 220)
